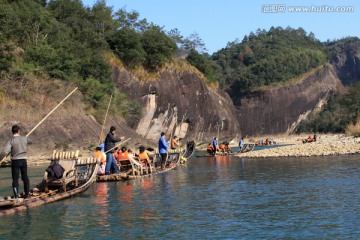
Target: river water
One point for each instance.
(207, 198)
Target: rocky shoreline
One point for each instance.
(324, 146)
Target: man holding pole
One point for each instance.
(110, 141)
(17, 146)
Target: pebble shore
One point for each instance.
(324, 146)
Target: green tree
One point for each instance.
(126, 43)
(158, 46)
(194, 42)
(104, 24)
(204, 65)
(131, 20)
(6, 55)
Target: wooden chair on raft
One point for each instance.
(68, 161)
(126, 166)
(146, 166)
(137, 167)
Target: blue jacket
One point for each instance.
(163, 145)
(241, 143)
(214, 143)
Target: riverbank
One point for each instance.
(325, 145)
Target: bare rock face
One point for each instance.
(281, 109)
(347, 64)
(179, 104)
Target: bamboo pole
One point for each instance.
(46, 117)
(102, 128)
(51, 112)
(118, 145)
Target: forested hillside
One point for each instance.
(66, 41)
(281, 56)
(342, 112)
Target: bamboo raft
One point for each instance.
(132, 172)
(129, 170)
(78, 176)
(247, 147)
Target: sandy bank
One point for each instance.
(325, 145)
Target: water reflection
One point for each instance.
(223, 197)
(101, 199)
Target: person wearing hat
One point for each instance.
(16, 147)
(110, 141)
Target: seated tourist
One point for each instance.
(222, 147)
(133, 158)
(143, 157)
(227, 147)
(116, 153)
(100, 156)
(123, 154)
(210, 149)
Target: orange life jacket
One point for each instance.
(144, 156)
(100, 155)
(123, 155)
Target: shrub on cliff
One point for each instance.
(204, 65)
(158, 46)
(126, 44)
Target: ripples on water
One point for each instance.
(208, 198)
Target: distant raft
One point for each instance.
(247, 147)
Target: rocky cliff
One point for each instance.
(179, 104)
(347, 64)
(280, 109)
(176, 102)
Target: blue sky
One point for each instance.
(218, 22)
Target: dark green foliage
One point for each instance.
(270, 56)
(351, 102)
(61, 39)
(126, 43)
(329, 120)
(341, 46)
(131, 20)
(339, 112)
(126, 106)
(204, 64)
(6, 55)
(95, 92)
(158, 46)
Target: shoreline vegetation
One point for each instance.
(325, 145)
